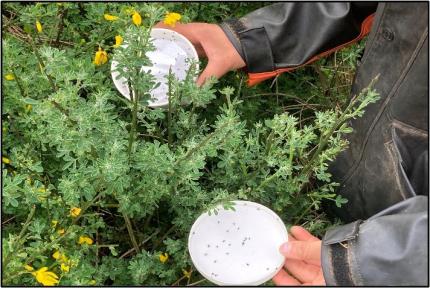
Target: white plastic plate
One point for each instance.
(171, 50)
(238, 247)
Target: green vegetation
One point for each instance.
(103, 191)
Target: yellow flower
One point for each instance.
(56, 255)
(64, 267)
(101, 57)
(41, 189)
(61, 231)
(137, 20)
(9, 77)
(39, 26)
(109, 17)
(118, 41)
(187, 274)
(54, 223)
(92, 282)
(85, 240)
(163, 257)
(75, 211)
(45, 277)
(28, 108)
(171, 19)
(60, 256)
(5, 160)
(28, 268)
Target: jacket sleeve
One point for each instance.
(285, 36)
(389, 249)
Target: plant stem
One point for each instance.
(27, 222)
(131, 233)
(42, 64)
(18, 82)
(303, 214)
(133, 129)
(341, 120)
(201, 144)
(197, 282)
(21, 233)
(164, 236)
(169, 112)
(62, 13)
(179, 280)
(142, 243)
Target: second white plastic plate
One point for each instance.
(172, 50)
(238, 247)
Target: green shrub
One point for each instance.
(102, 190)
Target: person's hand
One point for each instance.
(211, 42)
(302, 260)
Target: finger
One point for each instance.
(309, 251)
(212, 69)
(302, 271)
(283, 278)
(186, 30)
(291, 237)
(302, 234)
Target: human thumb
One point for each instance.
(309, 251)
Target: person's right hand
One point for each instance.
(302, 260)
(211, 42)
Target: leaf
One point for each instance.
(339, 201)
(113, 250)
(30, 101)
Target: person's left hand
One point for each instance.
(302, 260)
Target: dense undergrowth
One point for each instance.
(103, 191)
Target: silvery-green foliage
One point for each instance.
(81, 144)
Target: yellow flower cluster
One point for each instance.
(101, 57)
(45, 277)
(136, 18)
(9, 77)
(59, 256)
(109, 17)
(5, 160)
(62, 258)
(171, 19)
(163, 257)
(85, 240)
(65, 268)
(75, 211)
(187, 274)
(118, 41)
(28, 268)
(39, 26)
(28, 107)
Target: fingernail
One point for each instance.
(284, 248)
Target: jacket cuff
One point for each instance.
(257, 58)
(337, 255)
(231, 34)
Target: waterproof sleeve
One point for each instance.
(389, 249)
(285, 36)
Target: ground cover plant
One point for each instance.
(99, 190)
